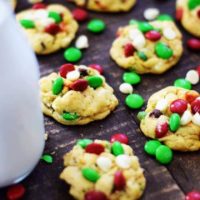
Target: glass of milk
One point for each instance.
(21, 120)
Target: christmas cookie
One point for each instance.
(148, 47)
(48, 28)
(106, 5)
(188, 13)
(101, 170)
(76, 95)
(173, 117)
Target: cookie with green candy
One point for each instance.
(172, 116)
(188, 13)
(76, 95)
(98, 169)
(148, 47)
(49, 28)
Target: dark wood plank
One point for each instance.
(166, 183)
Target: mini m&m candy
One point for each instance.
(15, 192)
(194, 195)
(120, 137)
(72, 54)
(134, 101)
(96, 26)
(164, 154)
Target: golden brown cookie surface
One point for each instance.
(172, 116)
(100, 168)
(48, 29)
(106, 5)
(188, 12)
(78, 97)
(152, 47)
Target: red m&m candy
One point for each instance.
(79, 85)
(178, 106)
(15, 192)
(195, 105)
(95, 148)
(194, 44)
(95, 195)
(153, 35)
(52, 29)
(120, 137)
(129, 50)
(179, 14)
(119, 181)
(39, 6)
(97, 67)
(64, 69)
(80, 14)
(161, 129)
(190, 96)
(194, 195)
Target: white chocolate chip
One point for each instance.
(134, 33)
(169, 33)
(137, 38)
(162, 105)
(104, 163)
(192, 76)
(126, 88)
(151, 13)
(35, 1)
(82, 42)
(40, 14)
(186, 117)
(83, 67)
(123, 161)
(73, 75)
(42, 23)
(196, 119)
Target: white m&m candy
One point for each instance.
(104, 163)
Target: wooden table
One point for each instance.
(163, 182)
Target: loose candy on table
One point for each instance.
(194, 44)
(194, 195)
(72, 54)
(120, 137)
(96, 26)
(134, 101)
(151, 13)
(15, 192)
(80, 15)
(151, 146)
(47, 158)
(164, 154)
(192, 76)
(182, 83)
(131, 78)
(82, 42)
(126, 88)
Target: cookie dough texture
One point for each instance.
(77, 159)
(90, 105)
(43, 42)
(153, 64)
(107, 5)
(187, 137)
(190, 18)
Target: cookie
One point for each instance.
(76, 95)
(106, 5)
(188, 12)
(48, 29)
(98, 168)
(172, 116)
(147, 47)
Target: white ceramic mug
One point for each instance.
(21, 120)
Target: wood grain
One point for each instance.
(163, 182)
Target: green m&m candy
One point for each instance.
(164, 154)
(47, 158)
(26, 23)
(70, 116)
(56, 16)
(57, 86)
(163, 51)
(174, 122)
(164, 17)
(90, 174)
(141, 115)
(96, 26)
(182, 83)
(94, 81)
(72, 54)
(142, 55)
(131, 78)
(134, 101)
(151, 146)
(145, 27)
(117, 148)
(84, 142)
(192, 4)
